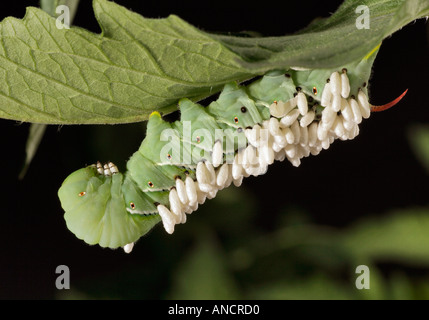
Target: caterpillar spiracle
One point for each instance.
(286, 114)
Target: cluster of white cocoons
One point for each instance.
(186, 195)
(294, 131)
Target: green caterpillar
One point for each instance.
(286, 114)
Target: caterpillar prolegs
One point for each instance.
(287, 114)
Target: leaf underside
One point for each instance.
(138, 65)
(37, 130)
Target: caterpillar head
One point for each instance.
(95, 209)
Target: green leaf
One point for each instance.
(138, 65)
(330, 42)
(37, 130)
(50, 6)
(402, 237)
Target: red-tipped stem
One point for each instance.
(388, 105)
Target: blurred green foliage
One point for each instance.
(419, 139)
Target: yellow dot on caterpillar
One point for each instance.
(150, 184)
(168, 156)
(132, 205)
(81, 194)
(315, 90)
(198, 139)
(235, 119)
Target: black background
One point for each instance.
(369, 175)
